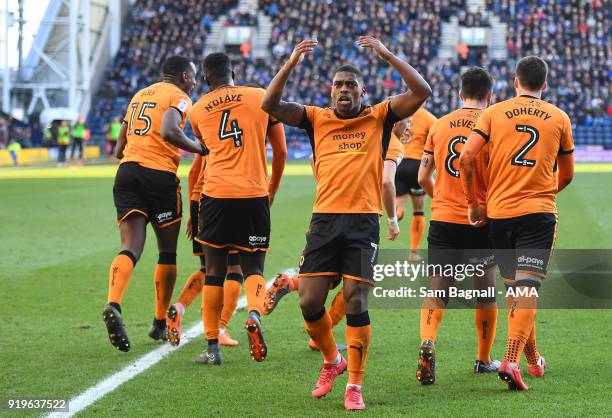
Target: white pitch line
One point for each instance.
(132, 370)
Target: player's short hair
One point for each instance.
(476, 83)
(217, 65)
(176, 65)
(531, 72)
(346, 68)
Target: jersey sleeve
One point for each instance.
(182, 103)
(308, 117)
(483, 125)
(396, 150)
(429, 143)
(567, 139)
(383, 112)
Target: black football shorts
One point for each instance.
(453, 244)
(240, 223)
(342, 245)
(155, 194)
(523, 243)
(194, 211)
(407, 178)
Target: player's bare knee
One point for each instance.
(356, 298)
(418, 203)
(311, 304)
(234, 269)
(252, 263)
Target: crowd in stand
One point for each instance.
(571, 35)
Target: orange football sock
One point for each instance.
(231, 293)
(531, 351)
(320, 330)
(119, 276)
(520, 323)
(358, 333)
(192, 288)
(416, 230)
(165, 278)
(485, 320)
(212, 305)
(255, 289)
(430, 322)
(336, 310)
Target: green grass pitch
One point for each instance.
(58, 237)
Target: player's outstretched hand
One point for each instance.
(303, 48)
(188, 229)
(371, 42)
(393, 230)
(477, 216)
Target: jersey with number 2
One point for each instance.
(525, 136)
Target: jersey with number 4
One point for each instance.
(231, 124)
(145, 145)
(445, 140)
(525, 136)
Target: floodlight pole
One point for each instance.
(20, 41)
(72, 54)
(85, 53)
(6, 79)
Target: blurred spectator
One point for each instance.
(572, 36)
(13, 148)
(63, 140)
(245, 49)
(112, 135)
(79, 133)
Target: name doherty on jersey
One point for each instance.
(527, 111)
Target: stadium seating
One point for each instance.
(578, 75)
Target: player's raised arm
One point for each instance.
(402, 105)
(171, 132)
(121, 141)
(467, 164)
(288, 113)
(276, 135)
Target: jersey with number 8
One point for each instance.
(144, 115)
(231, 124)
(445, 140)
(525, 136)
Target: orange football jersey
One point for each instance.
(445, 141)
(415, 135)
(231, 124)
(396, 150)
(525, 136)
(348, 157)
(145, 145)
